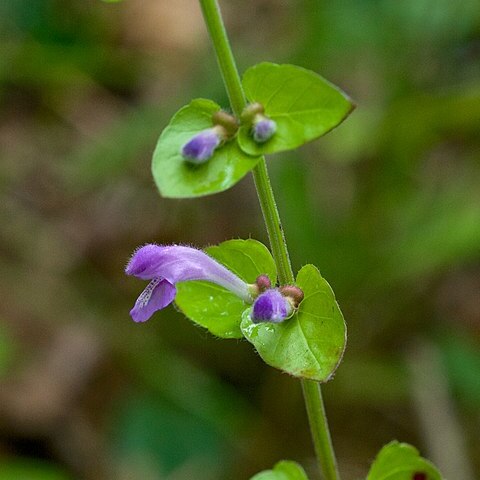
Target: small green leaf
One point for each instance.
(311, 343)
(214, 307)
(284, 470)
(401, 461)
(176, 178)
(304, 106)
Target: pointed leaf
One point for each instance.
(214, 307)
(311, 343)
(303, 104)
(401, 461)
(176, 178)
(284, 470)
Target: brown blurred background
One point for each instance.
(387, 205)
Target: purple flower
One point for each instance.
(263, 129)
(164, 266)
(271, 306)
(202, 146)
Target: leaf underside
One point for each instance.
(311, 343)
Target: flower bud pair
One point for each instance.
(202, 146)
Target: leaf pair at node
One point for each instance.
(310, 344)
(288, 107)
(230, 289)
(395, 461)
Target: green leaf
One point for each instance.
(176, 178)
(311, 343)
(304, 105)
(401, 461)
(214, 307)
(284, 470)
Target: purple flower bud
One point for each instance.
(263, 129)
(202, 146)
(164, 266)
(271, 306)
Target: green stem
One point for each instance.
(228, 67)
(233, 85)
(311, 390)
(319, 428)
(272, 222)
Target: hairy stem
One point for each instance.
(233, 85)
(228, 67)
(317, 418)
(311, 390)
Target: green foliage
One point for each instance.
(303, 104)
(163, 436)
(462, 363)
(284, 470)
(311, 343)
(176, 178)
(400, 461)
(388, 214)
(214, 307)
(31, 469)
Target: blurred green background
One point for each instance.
(387, 205)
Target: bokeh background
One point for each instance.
(387, 205)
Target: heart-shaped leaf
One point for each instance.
(176, 178)
(284, 470)
(401, 461)
(304, 106)
(311, 343)
(214, 307)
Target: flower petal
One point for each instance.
(157, 295)
(177, 263)
(271, 306)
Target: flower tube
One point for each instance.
(165, 266)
